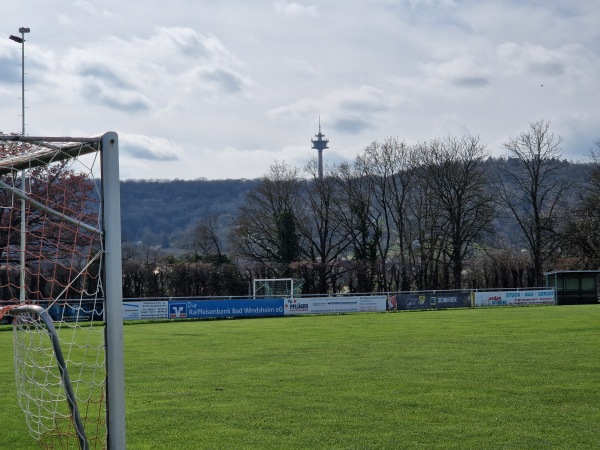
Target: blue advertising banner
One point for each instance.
(430, 301)
(205, 309)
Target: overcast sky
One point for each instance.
(224, 88)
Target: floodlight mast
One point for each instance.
(21, 40)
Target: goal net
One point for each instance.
(277, 287)
(60, 284)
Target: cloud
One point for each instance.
(128, 101)
(580, 132)
(186, 42)
(430, 3)
(248, 80)
(456, 67)
(10, 71)
(449, 124)
(224, 80)
(363, 98)
(471, 82)
(105, 75)
(349, 111)
(534, 59)
(297, 9)
(92, 10)
(301, 67)
(139, 146)
(349, 125)
(169, 67)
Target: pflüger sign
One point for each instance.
(332, 305)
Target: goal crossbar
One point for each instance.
(47, 150)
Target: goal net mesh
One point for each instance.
(277, 287)
(51, 255)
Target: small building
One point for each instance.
(574, 287)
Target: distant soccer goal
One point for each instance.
(276, 287)
(60, 283)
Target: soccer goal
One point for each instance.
(276, 287)
(60, 284)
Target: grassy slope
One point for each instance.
(486, 378)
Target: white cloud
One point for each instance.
(297, 9)
(221, 89)
(92, 10)
(349, 110)
(136, 146)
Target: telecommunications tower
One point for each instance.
(320, 144)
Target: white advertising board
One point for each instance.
(515, 298)
(146, 310)
(327, 305)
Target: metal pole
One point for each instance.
(113, 295)
(22, 296)
(23, 30)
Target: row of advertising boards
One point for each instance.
(212, 309)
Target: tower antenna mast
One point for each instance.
(320, 144)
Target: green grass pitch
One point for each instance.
(510, 378)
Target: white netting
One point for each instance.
(277, 287)
(62, 273)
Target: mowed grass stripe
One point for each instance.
(475, 378)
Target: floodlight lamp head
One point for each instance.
(16, 39)
(24, 30)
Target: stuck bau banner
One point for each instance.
(515, 298)
(405, 302)
(208, 309)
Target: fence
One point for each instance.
(231, 307)
(199, 308)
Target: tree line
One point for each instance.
(440, 214)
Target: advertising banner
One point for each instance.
(329, 305)
(429, 301)
(515, 298)
(204, 309)
(146, 310)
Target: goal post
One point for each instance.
(276, 287)
(60, 281)
(115, 364)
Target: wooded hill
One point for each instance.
(159, 212)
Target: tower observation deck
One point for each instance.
(320, 144)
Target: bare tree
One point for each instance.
(362, 222)
(143, 271)
(389, 166)
(425, 244)
(266, 229)
(465, 210)
(582, 231)
(322, 228)
(206, 238)
(532, 191)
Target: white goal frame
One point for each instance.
(276, 287)
(110, 232)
